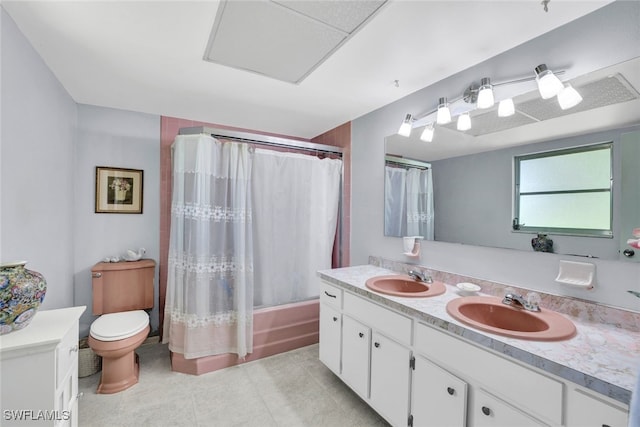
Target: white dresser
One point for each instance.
(39, 371)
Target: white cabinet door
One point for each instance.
(390, 377)
(356, 342)
(489, 411)
(330, 331)
(438, 398)
(585, 410)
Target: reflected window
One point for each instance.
(565, 191)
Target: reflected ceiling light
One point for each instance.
(443, 116)
(569, 97)
(548, 84)
(405, 127)
(485, 94)
(464, 122)
(506, 108)
(427, 133)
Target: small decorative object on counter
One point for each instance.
(542, 243)
(21, 293)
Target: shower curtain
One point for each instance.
(209, 301)
(420, 203)
(244, 222)
(295, 206)
(409, 209)
(395, 206)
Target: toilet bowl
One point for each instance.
(114, 337)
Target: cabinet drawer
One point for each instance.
(384, 320)
(536, 393)
(586, 410)
(489, 411)
(67, 354)
(331, 295)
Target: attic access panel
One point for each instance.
(284, 40)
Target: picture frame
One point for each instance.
(119, 190)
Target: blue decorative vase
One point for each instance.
(21, 293)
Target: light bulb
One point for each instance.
(569, 97)
(464, 122)
(427, 133)
(485, 94)
(548, 84)
(506, 108)
(443, 116)
(405, 127)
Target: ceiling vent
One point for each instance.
(606, 91)
(284, 40)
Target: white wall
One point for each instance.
(49, 149)
(608, 36)
(37, 173)
(123, 139)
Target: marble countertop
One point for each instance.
(601, 357)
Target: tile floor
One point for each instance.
(290, 389)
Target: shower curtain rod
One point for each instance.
(260, 139)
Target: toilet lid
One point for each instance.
(118, 326)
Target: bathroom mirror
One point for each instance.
(472, 171)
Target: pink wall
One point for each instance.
(338, 137)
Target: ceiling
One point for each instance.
(147, 56)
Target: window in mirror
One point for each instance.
(565, 191)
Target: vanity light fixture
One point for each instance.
(405, 127)
(548, 84)
(483, 97)
(464, 122)
(485, 94)
(443, 116)
(506, 108)
(569, 97)
(427, 133)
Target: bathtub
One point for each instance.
(275, 330)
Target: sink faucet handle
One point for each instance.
(533, 299)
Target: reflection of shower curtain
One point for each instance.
(408, 202)
(395, 207)
(295, 207)
(419, 203)
(209, 300)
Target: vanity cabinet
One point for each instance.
(376, 356)
(330, 329)
(438, 398)
(453, 382)
(39, 363)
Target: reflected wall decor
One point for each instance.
(118, 190)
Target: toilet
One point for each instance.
(121, 293)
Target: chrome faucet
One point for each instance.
(421, 277)
(516, 300)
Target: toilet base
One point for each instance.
(120, 367)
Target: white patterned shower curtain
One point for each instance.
(244, 222)
(209, 301)
(409, 209)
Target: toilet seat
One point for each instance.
(119, 326)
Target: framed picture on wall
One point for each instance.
(118, 190)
